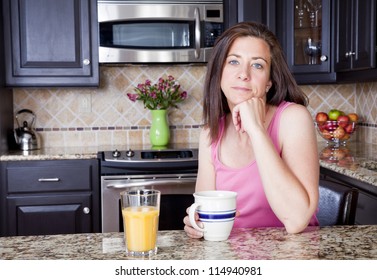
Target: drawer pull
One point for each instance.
(48, 180)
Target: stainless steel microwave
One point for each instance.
(158, 31)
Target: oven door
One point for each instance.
(176, 195)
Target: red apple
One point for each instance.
(349, 128)
(339, 132)
(353, 117)
(343, 121)
(346, 136)
(321, 117)
(331, 125)
(326, 134)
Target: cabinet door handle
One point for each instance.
(86, 210)
(86, 61)
(348, 54)
(323, 58)
(48, 180)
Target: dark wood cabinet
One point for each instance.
(49, 197)
(51, 42)
(341, 34)
(46, 214)
(304, 31)
(367, 200)
(354, 34)
(6, 96)
(263, 11)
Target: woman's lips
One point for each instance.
(241, 88)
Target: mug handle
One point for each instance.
(192, 217)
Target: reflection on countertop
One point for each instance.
(338, 242)
(356, 160)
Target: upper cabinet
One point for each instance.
(6, 104)
(263, 11)
(325, 41)
(305, 34)
(354, 34)
(51, 42)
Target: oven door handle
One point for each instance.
(151, 183)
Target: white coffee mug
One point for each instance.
(216, 210)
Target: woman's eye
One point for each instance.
(233, 62)
(257, 66)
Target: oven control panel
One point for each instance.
(151, 155)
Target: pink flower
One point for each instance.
(132, 96)
(162, 95)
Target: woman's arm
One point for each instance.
(290, 181)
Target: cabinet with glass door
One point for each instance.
(305, 36)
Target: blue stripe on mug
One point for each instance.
(220, 215)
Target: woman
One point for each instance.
(259, 139)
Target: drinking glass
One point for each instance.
(140, 210)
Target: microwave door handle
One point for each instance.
(151, 183)
(197, 33)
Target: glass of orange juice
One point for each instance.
(140, 210)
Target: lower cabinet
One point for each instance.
(367, 201)
(49, 197)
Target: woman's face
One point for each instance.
(246, 71)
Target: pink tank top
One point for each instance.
(252, 203)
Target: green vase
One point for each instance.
(159, 133)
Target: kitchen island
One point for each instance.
(331, 243)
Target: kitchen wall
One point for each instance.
(105, 116)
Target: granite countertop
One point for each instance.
(54, 153)
(86, 152)
(339, 242)
(356, 160)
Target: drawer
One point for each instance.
(49, 177)
(366, 212)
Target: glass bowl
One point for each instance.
(336, 133)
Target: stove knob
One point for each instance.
(130, 153)
(116, 154)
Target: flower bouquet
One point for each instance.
(159, 96)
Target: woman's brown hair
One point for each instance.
(284, 86)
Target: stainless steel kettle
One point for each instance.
(25, 136)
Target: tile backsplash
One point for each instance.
(105, 115)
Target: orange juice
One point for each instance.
(141, 225)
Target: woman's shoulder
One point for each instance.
(294, 110)
(296, 116)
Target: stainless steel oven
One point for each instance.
(158, 31)
(172, 171)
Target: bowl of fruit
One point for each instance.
(336, 127)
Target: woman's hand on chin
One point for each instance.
(249, 114)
